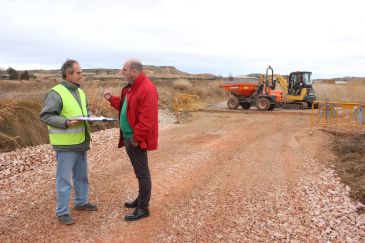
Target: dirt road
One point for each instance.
(220, 177)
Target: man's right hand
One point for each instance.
(72, 123)
(107, 94)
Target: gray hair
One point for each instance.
(67, 66)
(136, 64)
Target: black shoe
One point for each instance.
(133, 204)
(87, 207)
(66, 219)
(139, 213)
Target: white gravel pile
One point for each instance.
(331, 211)
(24, 159)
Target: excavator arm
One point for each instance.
(283, 82)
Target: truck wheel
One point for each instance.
(263, 104)
(233, 103)
(245, 106)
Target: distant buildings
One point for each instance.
(340, 82)
(4, 75)
(329, 81)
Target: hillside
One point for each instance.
(156, 72)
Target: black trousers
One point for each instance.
(139, 162)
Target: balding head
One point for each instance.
(135, 64)
(132, 68)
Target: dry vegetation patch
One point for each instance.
(353, 91)
(20, 125)
(182, 84)
(349, 149)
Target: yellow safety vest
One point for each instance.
(70, 108)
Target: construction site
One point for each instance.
(265, 158)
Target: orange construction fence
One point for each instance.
(185, 103)
(338, 114)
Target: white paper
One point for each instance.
(93, 119)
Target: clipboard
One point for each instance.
(93, 119)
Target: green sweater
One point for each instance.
(124, 124)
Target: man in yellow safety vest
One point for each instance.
(70, 139)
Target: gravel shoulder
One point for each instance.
(219, 177)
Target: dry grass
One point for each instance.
(352, 92)
(23, 89)
(182, 85)
(98, 105)
(208, 91)
(20, 125)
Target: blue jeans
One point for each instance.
(71, 164)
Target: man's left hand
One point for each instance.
(134, 143)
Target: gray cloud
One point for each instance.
(201, 36)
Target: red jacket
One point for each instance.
(142, 111)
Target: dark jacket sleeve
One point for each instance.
(50, 113)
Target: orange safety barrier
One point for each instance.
(338, 114)
(185, 103)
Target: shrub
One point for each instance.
(24, 75)
(182, 84)
(13, 74)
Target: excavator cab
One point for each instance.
(300, 88)
(298, 81)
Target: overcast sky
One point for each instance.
(223, 37)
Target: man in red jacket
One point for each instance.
(138, 113)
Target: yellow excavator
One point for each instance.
(297, 89)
